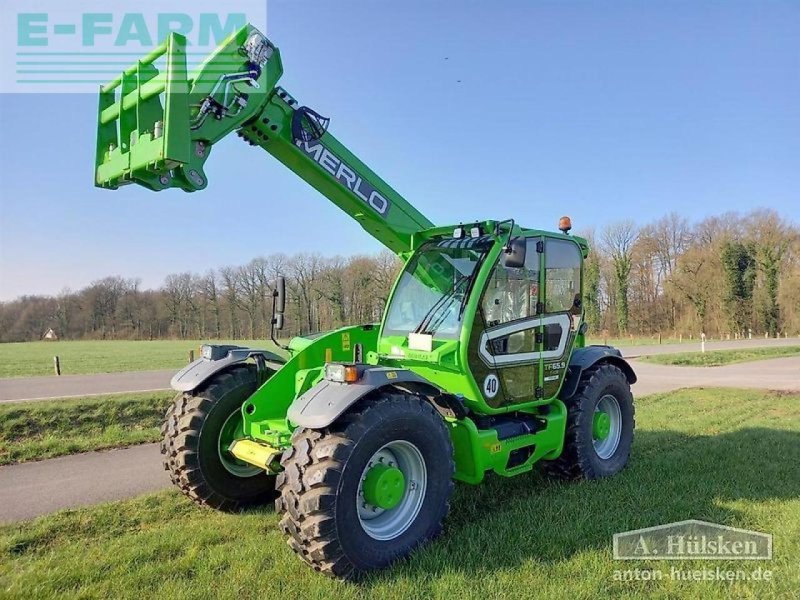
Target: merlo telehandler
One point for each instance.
(479, 364)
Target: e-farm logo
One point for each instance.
(55, 46)
(128, 29)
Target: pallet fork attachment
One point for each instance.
(157, 122)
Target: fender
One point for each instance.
(327, 400)
(583, 358)
(221, 358)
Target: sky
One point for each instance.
(471, 110)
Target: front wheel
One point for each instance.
(370, 488)
(197, 431)
(600, 423)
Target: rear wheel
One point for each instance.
(600, 424)
(370, 488)
(197, 431)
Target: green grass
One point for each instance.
(717, 358)
(45, 429)
(726, 456)
(36, 358)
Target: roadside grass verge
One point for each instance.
(725, 456)
(716, 358)
(46, 429)
(26, 359)
(621, 342)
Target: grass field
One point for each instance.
(36, 358)
(45, 429)
(717, 358)
(726, 456)
(28, 359)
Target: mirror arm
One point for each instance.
(507, 245)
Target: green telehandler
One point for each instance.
(479, 364)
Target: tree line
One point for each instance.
(232, 302)
(728, 275)
(725, 276)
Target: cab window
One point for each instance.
(562, 275)
(512, 293)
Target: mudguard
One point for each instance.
(327, 400)
(583, 358)
(195, 373)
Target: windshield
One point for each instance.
(433, 288)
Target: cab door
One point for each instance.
(561, 309)
(507, 331)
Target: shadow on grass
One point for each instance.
(671, 477)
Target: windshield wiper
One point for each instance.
(468, 291)
(450, 294)
(439, 303)
(442, 312)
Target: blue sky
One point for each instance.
(599, 110)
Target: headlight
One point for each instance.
(207, 352)
(341, 373)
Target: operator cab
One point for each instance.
(507, 306)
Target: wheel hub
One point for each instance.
(384, 486)
(601, 426)
(606, 426)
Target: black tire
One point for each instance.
(190, 444)
(579, 459)
(322, 472)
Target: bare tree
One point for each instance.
(772, 238)
(230, 291)
(618, 240)
(210, 293)
(305, 271)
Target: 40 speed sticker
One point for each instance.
(491, 385)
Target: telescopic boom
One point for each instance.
(157, 124)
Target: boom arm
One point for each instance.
(157, 127)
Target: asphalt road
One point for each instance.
(772, 374)
(31, 489)
(18, 389)
(49, 387)
(694, 346)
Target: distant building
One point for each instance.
(50, 335)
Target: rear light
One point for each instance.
(341, 373)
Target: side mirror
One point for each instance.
(515, 253)
(280, 295)
(278, 306)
